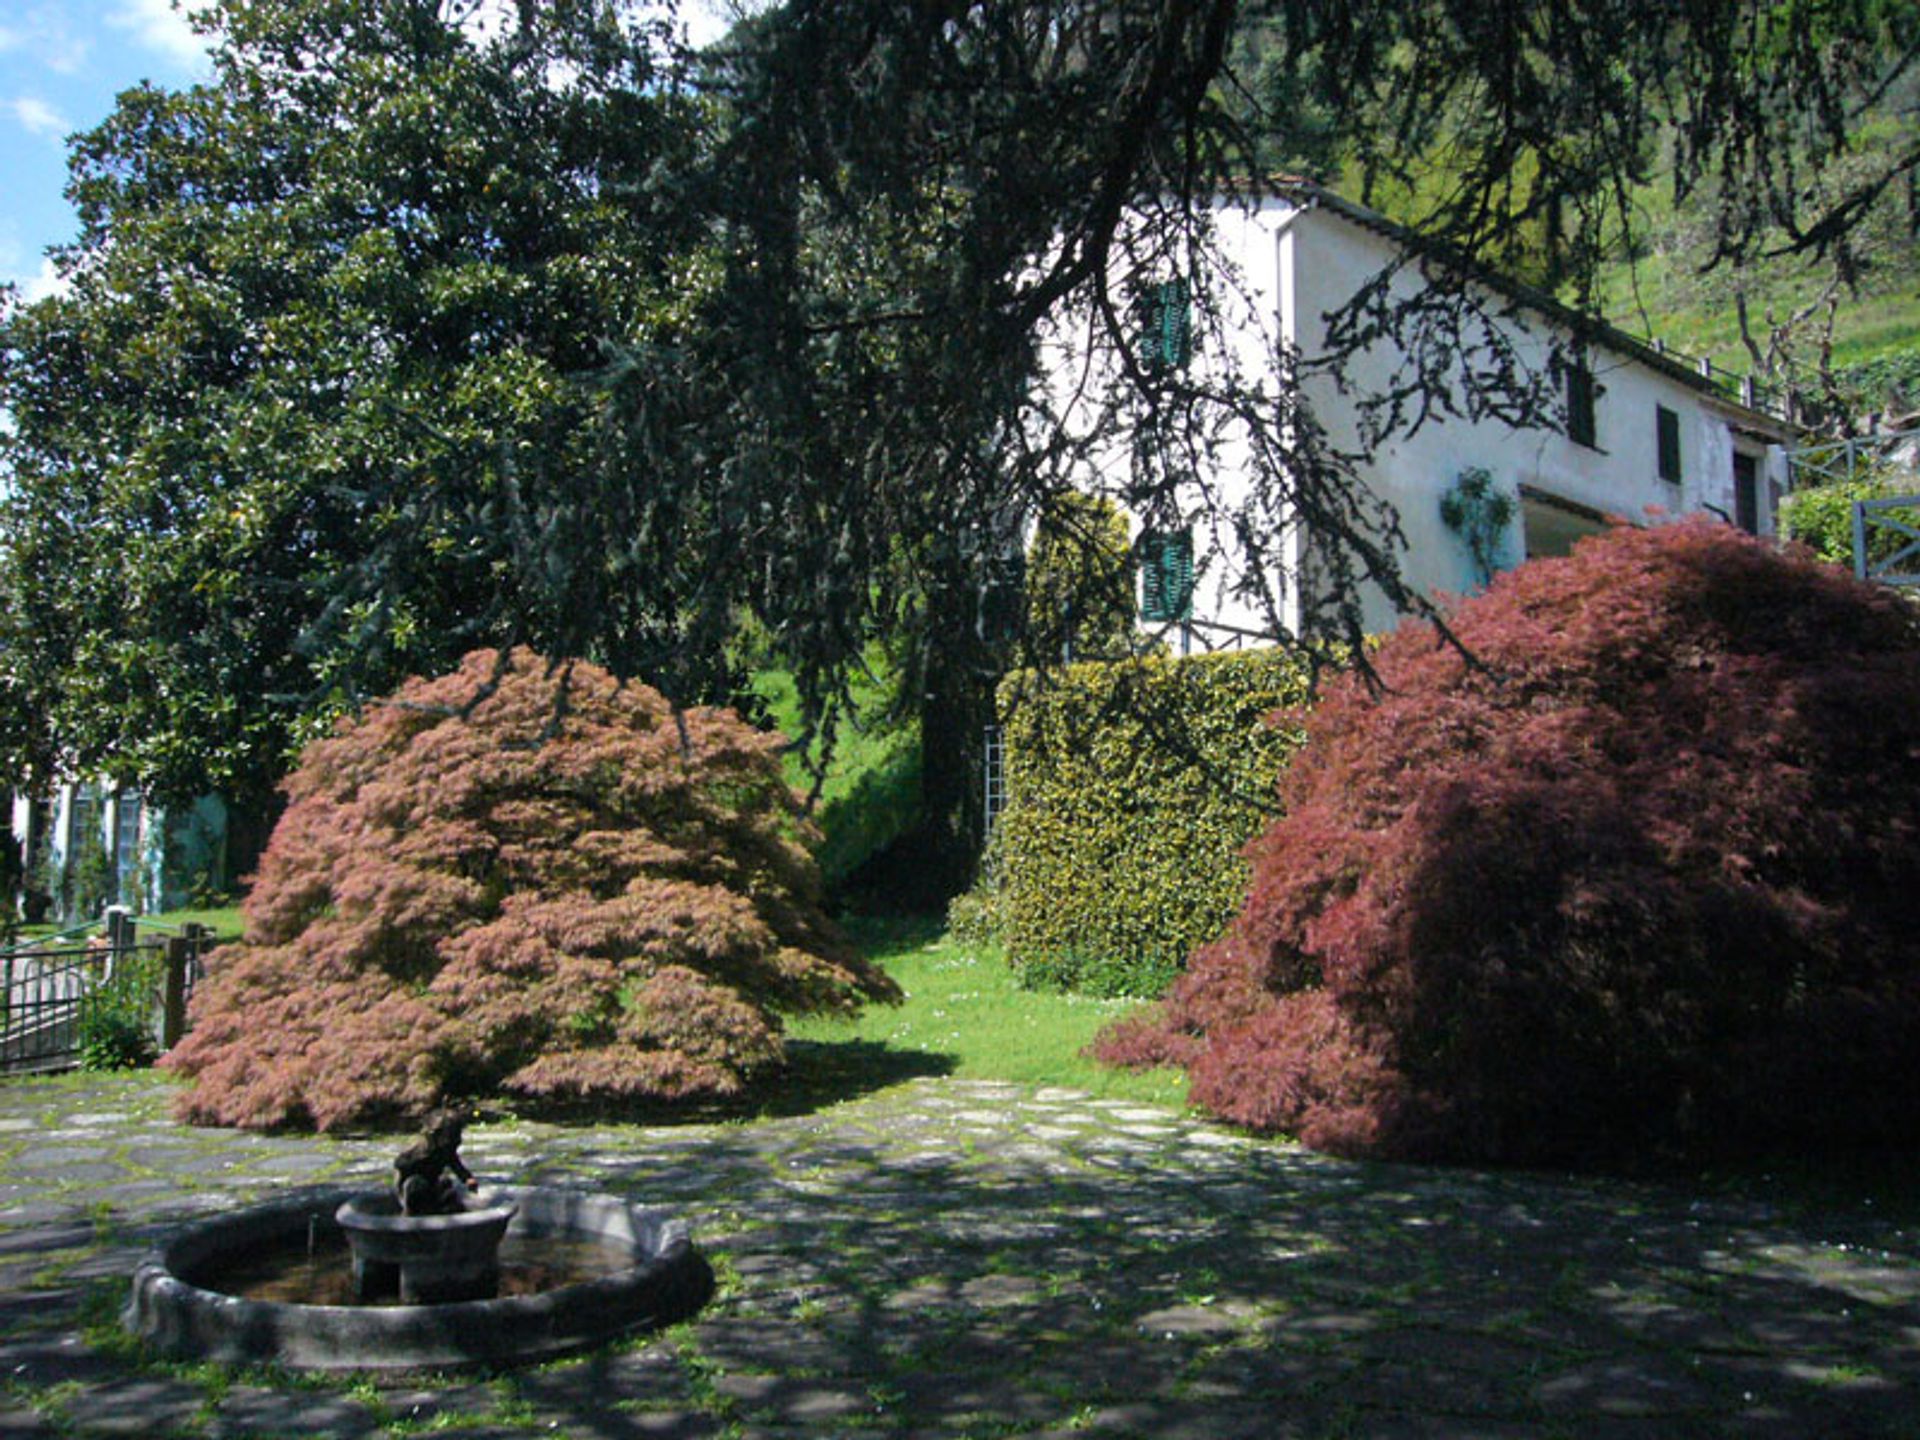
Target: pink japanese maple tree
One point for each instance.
(1633, 875)
(526, 879)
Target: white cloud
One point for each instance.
(47, 281)
(43, 283)
(38, 116)
(161, 26)
(46, 35)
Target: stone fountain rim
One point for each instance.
(377, 1211)
(184, 1320)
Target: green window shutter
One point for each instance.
(1166, 576)
(1667, 428)
(1580, 419)
(1166, 334)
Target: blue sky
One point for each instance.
(62, 62)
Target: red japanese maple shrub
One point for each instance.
(521, 878)
(1636, 878)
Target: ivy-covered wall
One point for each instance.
(1132, 788)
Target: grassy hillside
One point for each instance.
(1666, 284)
(872, 789)
(1672, 288)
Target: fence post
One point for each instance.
(173, 991)
(119, 937)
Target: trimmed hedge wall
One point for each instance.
(1119, 850)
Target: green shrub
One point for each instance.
(973, 918)
(1821, 517)
(114, 1027)
(1133, 788)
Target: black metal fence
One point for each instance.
(44, 985)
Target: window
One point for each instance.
(1166, 340)
(83, 823)
(1580, 424)
(1667, 432)
(1746, 492)
(1553, 525)
(1166, 575)
(126, 843)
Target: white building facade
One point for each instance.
(1637, 435)
(86, 844)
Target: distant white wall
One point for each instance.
(1617, 476)
(1287, 268)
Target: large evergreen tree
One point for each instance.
(329, 396)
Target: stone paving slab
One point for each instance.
(991, 1262)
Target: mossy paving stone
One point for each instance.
(784, 1345)
(45, 1362)
(918, 1240)
(246, 1412)
(22, 1422)
(952, 1396)
(1106, 1368)
(1174, 1419)
(803, 1401)
(145, 1405)
(66, 1172)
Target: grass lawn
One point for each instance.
(966, 1016)
(225, 923)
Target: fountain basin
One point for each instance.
(178, 1308)
(425, 1259)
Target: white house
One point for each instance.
(1638, 434)
(86, 844)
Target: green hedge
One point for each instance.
(1821, 517)
(1132, 788)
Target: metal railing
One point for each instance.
(1858, 457)
(1896, 516)
(44, 984)
(1768, 398)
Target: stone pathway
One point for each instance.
(972, 1260)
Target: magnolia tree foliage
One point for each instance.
(406, 333)
(272, 447)
(1638, 875)
(523, 878)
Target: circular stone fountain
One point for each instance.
(647, 1273)
(424, 1259)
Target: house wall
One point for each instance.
(1288, 268)
(1617, 477)
(172, 851)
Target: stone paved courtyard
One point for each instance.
(962, 1259)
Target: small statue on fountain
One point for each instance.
(428, 1178)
